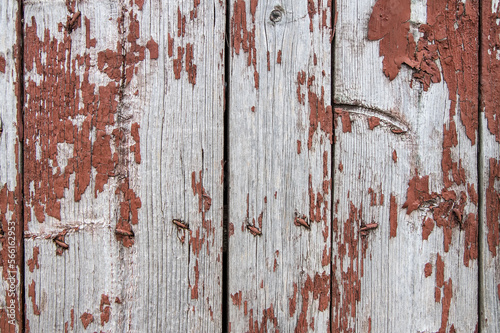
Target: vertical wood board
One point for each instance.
(11, 306)
(490, 167)
(405, 242)
(280, 139)
(118, 148)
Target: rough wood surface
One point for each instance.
(490, 167)
(11, 305)
(124, 111)
(280, 139)
(405, 174)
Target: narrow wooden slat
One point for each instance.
(490, 167)
(124, 106)
(280, 137)
(405, 161)
(11, 305)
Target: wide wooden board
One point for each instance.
(280, 146)
(123, 151)
(405, 242)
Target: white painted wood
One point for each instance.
(380, 277)
(279, 162)
(10, 183)
(169, 115)
(489, 172)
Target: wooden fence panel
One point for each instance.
(405, 242)
(11, 266)
(490, 167)
(124, 106)
(280, 139)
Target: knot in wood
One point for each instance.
(276, 15)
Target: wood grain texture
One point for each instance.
(405, 243)
(10, 167)
(280, 139)
(490, 167)
(124, 105)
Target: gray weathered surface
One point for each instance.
(490, 168)
(399, 277)
(134, 96)
(280, 166)
(10, 184)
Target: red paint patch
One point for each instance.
(427, 228)
(292, 302)
(299, 146)
(152, 46)
(32, 295)
(393, 217)
(417, 193)
(493, 207)
(2, 64)
(373, 122)
(449, 36)
(105, 309)
(68, 95)
(490, 68)
(190, 67)
(86, 319)
(319, 287)
(395, 156)
(32, 263)
(428, 269)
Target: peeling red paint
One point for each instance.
(395, 156)
(320, 115)
(299, 147)
(393, 217)
(241, 37)
(194, 288)
(428, 269)
(292, 301)
(493, 207)
(67, 93)
(417, 193)
(278, 59)
(346, 289)
(490, 68)
(86, 319)
(105, 309)
(449, 36)
(33, 262)
(373, 122)
(427, 228)
(190, 67)
(32, 295)
(2, 64)
(319, 287)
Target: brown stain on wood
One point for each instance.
(86, 319)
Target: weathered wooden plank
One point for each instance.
(405, 243)
(124, 105)
(280, 139)
(490, 167)
(11, 305)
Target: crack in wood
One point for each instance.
(397, 125)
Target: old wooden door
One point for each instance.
(201, 166)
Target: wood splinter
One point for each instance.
(254, 230)
(180, 224)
